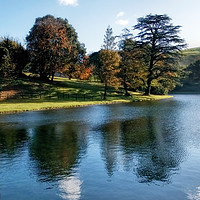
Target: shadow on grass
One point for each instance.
(62, 97)
(33, 90)
(61, 89)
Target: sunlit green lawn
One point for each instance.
(52, 94)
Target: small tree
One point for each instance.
(94, 60)
(125, 35)
(13, 58)
(161, 44)
(83, 71)
(5, 63)
(132, 71)
(109, 40)
(110, 61)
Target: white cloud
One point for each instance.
(122, 22)
(68, 2)
(120, 14)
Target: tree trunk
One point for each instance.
(126, 89)
(105, 92)
(148, 89)
(149, 78)
(124, 83)
(52, 76)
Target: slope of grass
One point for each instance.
(50, 95)
(189, 85)
(190, 56)
(191, 51)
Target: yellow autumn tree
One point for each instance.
(110, 61)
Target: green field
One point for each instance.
(190, 56)
(31, 94)
(189, 85)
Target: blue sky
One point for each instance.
(90, 18)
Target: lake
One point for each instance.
(144, 150)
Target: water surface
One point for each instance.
(146, 150)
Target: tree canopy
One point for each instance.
(53, 44)
(110, 61)
(132, 71)
(160, 42)
(13, 58)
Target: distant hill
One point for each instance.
(190, 56)
(192, 51)
(190, 85)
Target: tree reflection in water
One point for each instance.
(152, 152)
(55, 149)
(12, 141)
(110, 142)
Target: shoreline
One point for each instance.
(64, 106)
(19, 107)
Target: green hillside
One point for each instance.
(189, 85)
(190, 56)
(192, 51)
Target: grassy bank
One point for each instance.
(31, 94)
